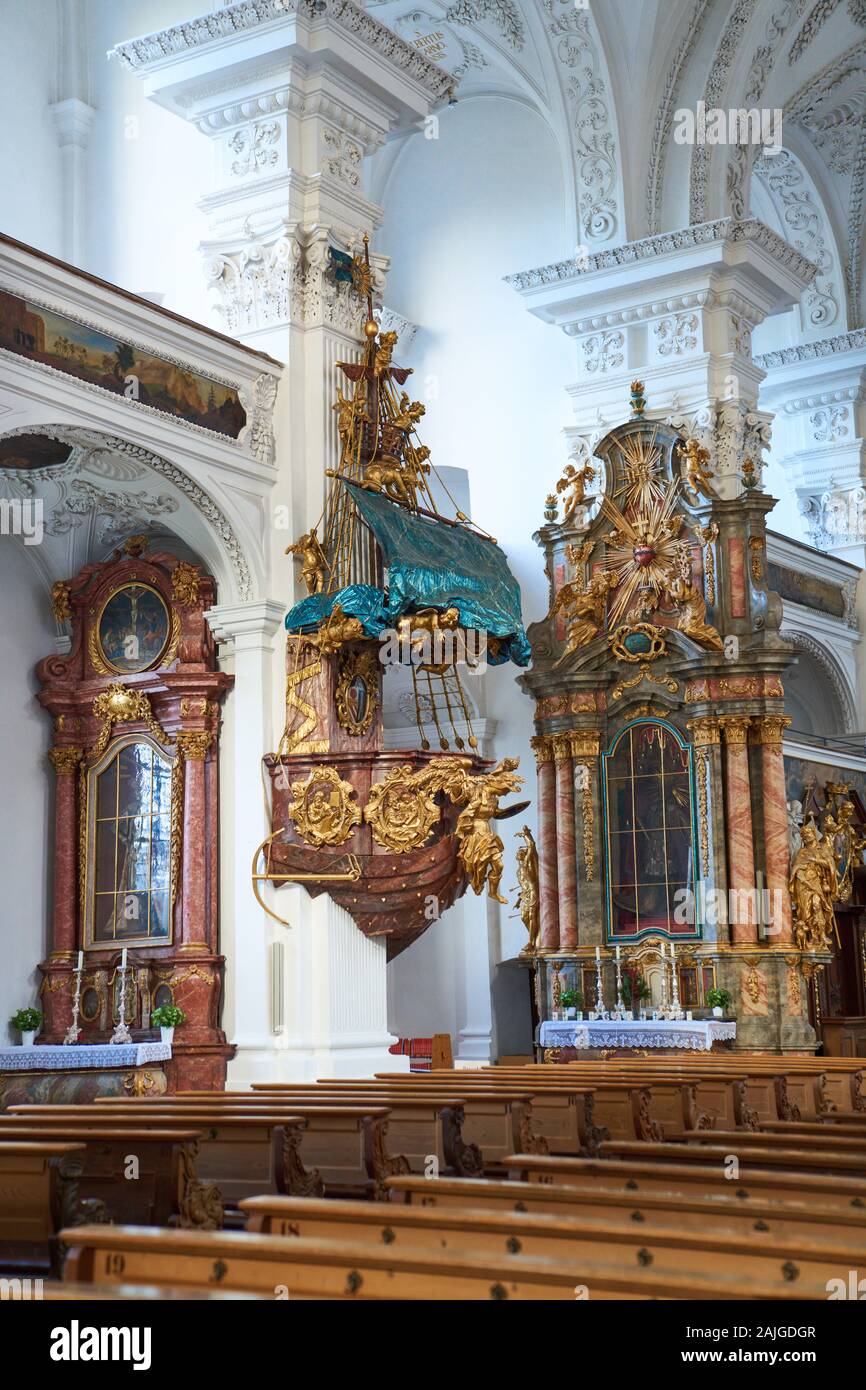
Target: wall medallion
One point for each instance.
(323, 809)
(401, 810)
(356, 694)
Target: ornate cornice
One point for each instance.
(140, 53)
(722, 229)
(809, 352)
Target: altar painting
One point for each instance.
(649, 810)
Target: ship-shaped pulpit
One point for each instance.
(394, 836)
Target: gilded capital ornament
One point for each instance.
(585, 743)
(65, 760)
(542, 747)
(736, 727)
(770, 729)
(193, 744)
(705, 731)
(561, 748)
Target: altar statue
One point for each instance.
(692, 604)
(527, 903)
(480, 847)
(585, 609)
(813, 889)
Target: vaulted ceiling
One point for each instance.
(609, 79)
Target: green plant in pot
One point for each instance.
(166, 1018)
(718, 1000)
(28, 1022)
(570, 1000)
(634, 991)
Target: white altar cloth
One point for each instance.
(76, 1056)
(696, 1035)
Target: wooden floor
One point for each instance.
(697, 1177)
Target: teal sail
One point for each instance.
(430, 564)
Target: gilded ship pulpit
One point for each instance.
(135, 706)
(393, 836)
(657, 674)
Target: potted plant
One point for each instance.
(571, 1000)
(28, 1022)
(718, 1000)
(167, 1017)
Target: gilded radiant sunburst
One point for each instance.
(643, 549)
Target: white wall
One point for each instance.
(27, 634)
(29, 153)
(482, 200)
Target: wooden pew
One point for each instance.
(239, 1156)
(806, 1260)
(791, 1137)
(484, 1123)
(67, 1292)
(677, 1206)
(287, 1266)
(647, 1173)
(622, 1108)
(165, 1190)
(420, 1126)
(38, 1195)
(811, 1159)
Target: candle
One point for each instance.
(617, 953)
(123, 959)
(80, 960)
(598, 953)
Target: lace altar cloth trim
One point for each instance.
(696, 1036)
(80, 1055)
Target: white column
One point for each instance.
(74, 121)
(246, 634)
(472, 984)
(336, 996)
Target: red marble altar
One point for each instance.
(174, 703)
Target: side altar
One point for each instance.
(661, 875)
(72, 1075)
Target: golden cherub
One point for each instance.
(337, 630)
(385, 475)
(314, 562)
(409, 413)
(384, 352)
(572, 487)
(697, 478)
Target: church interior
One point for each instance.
(432, 527)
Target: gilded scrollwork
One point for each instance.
(185, 581)
(118, 705)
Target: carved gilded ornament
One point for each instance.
(542, 747)
(356, 695)
(583, 783)
(736, 728)
(644, 673)
(118, 705)
(323, 810)
(136, 546)
(401, 809)
(756, 558)
(634, 642)
(193, 744)
(708, 535)
(480, 852)
(769, 730)
(813, 887)
(65, 760)
(60, 593)
(702, 762)
(585, 743)
(705, 732)
(697, 473)
(185, 581)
